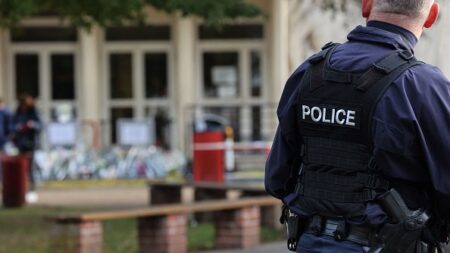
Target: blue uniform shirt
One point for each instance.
(411, 126)
(5, 126)
(27, 139)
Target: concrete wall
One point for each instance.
(311, 27)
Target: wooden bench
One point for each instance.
(189, 192)
(163, 228)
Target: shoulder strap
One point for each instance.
(318, 62)
(383, 67)
(379, 78)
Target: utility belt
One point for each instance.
(340, 230)
(402, 234)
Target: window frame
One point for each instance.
(44, 51)
(138, 102)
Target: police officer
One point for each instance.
(358, 121)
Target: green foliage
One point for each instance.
(84, 13)
(213, 11)
(11, 11)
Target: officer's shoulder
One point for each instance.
(427, 73)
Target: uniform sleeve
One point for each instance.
(283, 160)
(412, 132)
(434, 136)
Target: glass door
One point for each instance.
(231, 77)
(49, 75)
(138, 85)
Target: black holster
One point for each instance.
(404, 233)
(295, 227)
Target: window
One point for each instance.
(256, 123)
(156, 81)
(27, 74)
(256, 75)
(63, 113)
(63, 76)
(230, 114)
(232, 32)
(116, 114)
(221, 74)
(121, 73)
(44, 34)
(138, 33)
(160, 115)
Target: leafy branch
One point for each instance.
(84, 13)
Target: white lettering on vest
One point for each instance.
(333, 111)
(339, 120)
(329, 115)
(306, 111)
(325, 120)
(350, 118)
(315, 111)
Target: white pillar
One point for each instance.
(184, 39)
(3, 65)
(279, 60)
(89, 78)
(280, 47)
(89, 86)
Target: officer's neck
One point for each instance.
(415, 27)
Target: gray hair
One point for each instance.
(411, 8)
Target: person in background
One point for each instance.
(5, 124)
(5, 127)
(27, 126)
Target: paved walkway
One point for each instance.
(279, 247)
(101, 198)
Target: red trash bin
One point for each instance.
(209, 155)
(14, 180)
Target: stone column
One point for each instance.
(163, 234)
(76, 237)
(89, 95)
(184, 81)
(238, 228)
(3, 65)
(280, 45)
(279, 60)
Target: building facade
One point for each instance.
(173, 69)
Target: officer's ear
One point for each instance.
(366, 8)
(432, 16)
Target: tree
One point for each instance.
(85, 13)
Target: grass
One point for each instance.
(25, 231)
(201, 236)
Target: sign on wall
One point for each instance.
(62, 134)
(135, 132)
(226, 78)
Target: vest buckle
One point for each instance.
(329, 44)
(406, 54)
(341, 232)
(317, 225)
(372, 165)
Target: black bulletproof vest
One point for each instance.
(335, 110)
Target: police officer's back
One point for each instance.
(360, 122)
